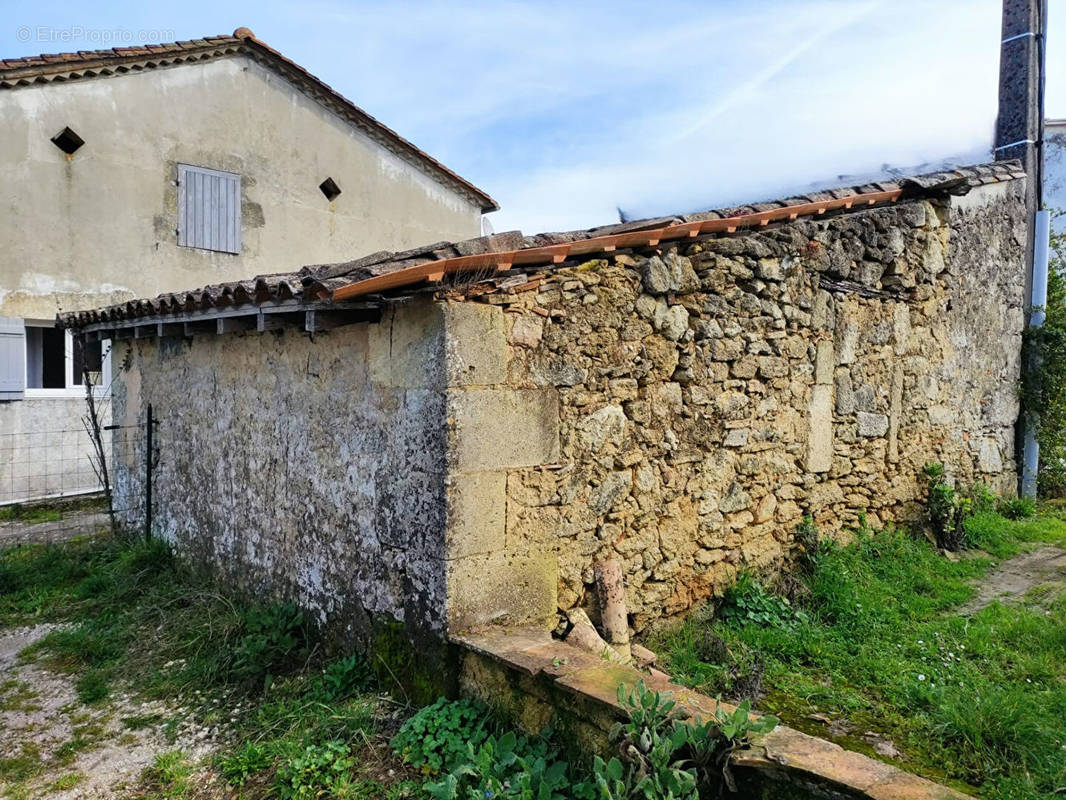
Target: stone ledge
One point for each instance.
(783, 755)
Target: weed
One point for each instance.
(68, 781)
(974, 699)
(23, 766)
(748, 602)
(317, 771)
(946, 509)
(243, 762)
(169, 776)
(1017, 508)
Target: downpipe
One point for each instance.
(1041, 244)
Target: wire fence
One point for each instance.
(52, 485)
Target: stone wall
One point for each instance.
(463, 463)
(311, 469)
(712, 394)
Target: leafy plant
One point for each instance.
(651, 741)
(809, 543)
(1017, 508)
(343, 678)
(318, 770)
(748, 601)
(272, 639)
(475, 759)
(945, 508)
(436, 739)
(715, 740)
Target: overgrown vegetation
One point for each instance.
(1043, 389)
(299, 724)
(880, 647)
(471, 755)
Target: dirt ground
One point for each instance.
(52, 745)
(1041, 571)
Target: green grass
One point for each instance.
(52, 511)
(136, 619)
(973, 700)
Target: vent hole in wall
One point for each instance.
(330, 189)
(67, 141)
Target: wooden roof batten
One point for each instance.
(557, 253)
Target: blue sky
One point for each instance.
(566, 111)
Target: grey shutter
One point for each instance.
(12, 358)
(209, 209)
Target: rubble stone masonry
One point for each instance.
(466, 460)
(712, 394)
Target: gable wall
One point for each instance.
(100, 227)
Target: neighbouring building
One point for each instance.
(449, 437)
(138, 170)
(1055, 171)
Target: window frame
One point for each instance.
(71, 390)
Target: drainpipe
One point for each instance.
(1042, 240)
(1019, 134)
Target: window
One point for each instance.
(39, 360)
(209, 209)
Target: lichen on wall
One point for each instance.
(712, 394)
(299, 467)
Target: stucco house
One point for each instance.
(451, 436)
(139, 170)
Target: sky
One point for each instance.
(566, 112)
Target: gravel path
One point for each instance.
(79, 751)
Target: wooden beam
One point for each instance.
(249, 322)
(327, 320)
(144, 332)
(204, 326)
(266, 321)
(170, 329)
(122, 333)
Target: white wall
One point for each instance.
(99, 227)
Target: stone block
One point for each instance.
(823, 362)
(513, 587)
(527, 330)
(474, 345)
(407, 348)
(605, 426)
(477, 503)
(502, 428)
(820, 435)
(989, 459)
(871, 425)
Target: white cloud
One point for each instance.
(565, 110)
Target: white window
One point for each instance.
(39, 360)
(209, 209)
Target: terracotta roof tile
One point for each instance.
(317, 282)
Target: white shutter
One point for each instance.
(12, 358)
(209, 209)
